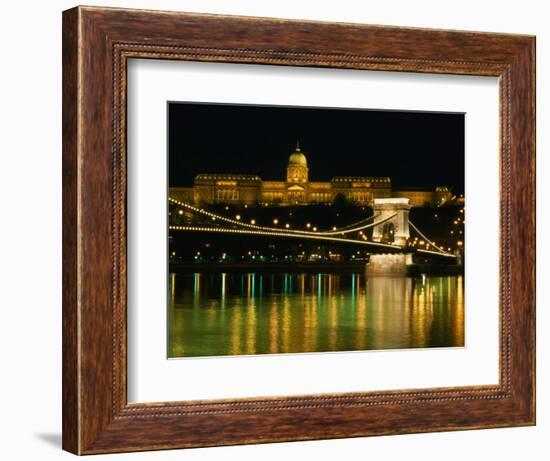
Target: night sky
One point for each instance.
(413, 148)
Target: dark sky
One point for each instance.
(412, 148)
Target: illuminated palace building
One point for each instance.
(247, 189)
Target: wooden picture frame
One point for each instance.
(97, 43)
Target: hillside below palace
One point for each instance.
(247, 189)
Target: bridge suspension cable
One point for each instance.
(346, 230)
(438, 250)
(252, 229)
(312, 236)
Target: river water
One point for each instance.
(215, 314)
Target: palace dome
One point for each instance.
(297, 157)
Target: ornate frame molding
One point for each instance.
(97, 43)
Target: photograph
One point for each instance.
(313, 229)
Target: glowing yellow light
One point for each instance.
(333, 227)
(308, 225)
(459, 243)
(252, 221)
(180, 211)
(275, 221)
(287, 225)
(173, 253)
(238, 217)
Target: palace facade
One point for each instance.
(246, 189)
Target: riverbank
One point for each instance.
(305, 267)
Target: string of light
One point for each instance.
(313, 236)
(439, 250)
(346, 230)
(253, 229)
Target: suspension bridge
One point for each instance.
(390, 225)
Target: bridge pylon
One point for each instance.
(396, 229)
(390, 264)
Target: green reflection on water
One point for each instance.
(212, 314)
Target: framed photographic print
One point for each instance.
(273, 261)
(284, 230)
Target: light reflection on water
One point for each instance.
(213, 314)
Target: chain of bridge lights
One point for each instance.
(438, 249)
(342, 231)
(263, 230)
(312, 236)
(348, 229)
(438, 253)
